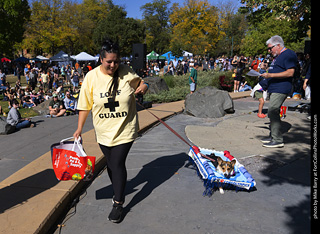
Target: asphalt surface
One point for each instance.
(164, 193)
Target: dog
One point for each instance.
(226, 168)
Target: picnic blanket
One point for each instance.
(242, 179)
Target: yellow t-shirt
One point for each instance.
(115, 122)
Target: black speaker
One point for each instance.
(139, 53)
(307, 47)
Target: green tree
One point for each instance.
(255, 41)
(234, 25)
(43, 31)
(64, 25)
(69, 33)
(90, 14)
(195, 26)
(156, 17)
(298, 11)
(116, 26)
(13, 15)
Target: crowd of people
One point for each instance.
(237, 64)
(49, 81)
(181, 67)
(59, 84)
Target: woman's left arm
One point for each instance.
(142, 88)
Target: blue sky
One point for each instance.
(133, 6)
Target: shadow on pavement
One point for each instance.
(152, 174)
(295, 172)
(20, 192)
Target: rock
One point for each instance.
(43, 108)
(209, 102)
(156, 84)
(3, 123)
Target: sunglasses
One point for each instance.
(270, 48)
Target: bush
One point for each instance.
(251, 80)
(179, 86)
(169, 81)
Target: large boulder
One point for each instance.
(156, 84)
(209, 102)
(3, 123)
(43, 108)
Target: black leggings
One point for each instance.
(116, 166)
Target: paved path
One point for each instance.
(164, 195)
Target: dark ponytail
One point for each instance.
(108, 46)
(114, 85)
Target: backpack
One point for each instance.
(6, 128)
(10, 129)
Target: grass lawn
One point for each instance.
(25, 112)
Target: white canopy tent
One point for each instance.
(187, 54)
(83, 56)
(42, 58)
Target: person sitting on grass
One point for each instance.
(56, 107)
(14, 117)
(70, 104)
(9, 96)
(27, 102)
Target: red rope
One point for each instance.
(194, 148)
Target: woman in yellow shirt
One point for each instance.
(109, 92)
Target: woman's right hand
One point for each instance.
(77, 134)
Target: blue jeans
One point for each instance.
(23, 124)
(27, 105)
